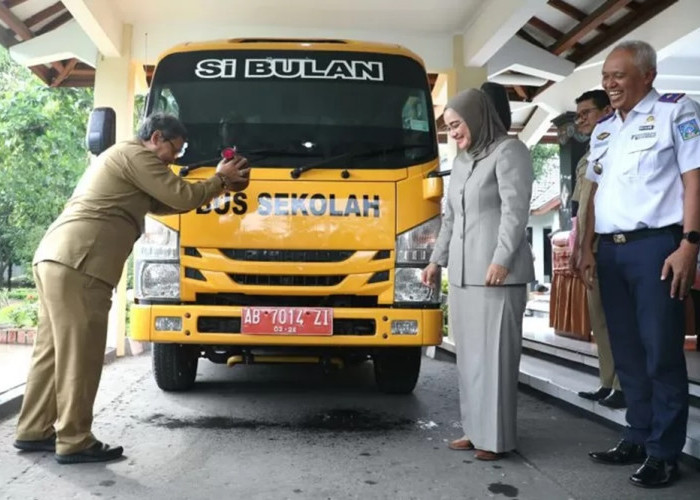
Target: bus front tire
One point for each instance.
(396, 369)
(175, 366)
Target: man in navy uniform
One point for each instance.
(644, 160)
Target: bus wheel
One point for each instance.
(175, 366)
(396, 369)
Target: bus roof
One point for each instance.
(311, 44)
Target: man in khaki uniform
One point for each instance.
(590, 107)
(78, 263)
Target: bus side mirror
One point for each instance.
(432, 188)
(101, 130)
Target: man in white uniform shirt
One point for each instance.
(644, 160)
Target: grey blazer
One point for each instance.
(486, 214)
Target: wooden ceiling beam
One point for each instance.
(545, 28)
(573, 12)
(530, 39)
(15, 23)
(42, 72)
(12, 3)
(619, 29)
(43, 15)
(549, 30)
(60, 20)
(522, 93)
(67, 70)
(590, 23)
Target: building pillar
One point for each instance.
(461, 77)
(571, 148)
(115, 81)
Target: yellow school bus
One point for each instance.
(319, 259)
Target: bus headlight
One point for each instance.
(415, 245)
(408, 287)
(157, 263)
(158, 280)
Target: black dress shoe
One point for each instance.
(98, 452)
(597, 395)
(48, 444)
(622, 454)
(615, 400)
(655, 473)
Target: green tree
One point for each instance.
(541, 154)
(42, 155)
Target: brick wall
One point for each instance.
(17, 335)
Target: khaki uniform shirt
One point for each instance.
(105, 215)
(581, 194)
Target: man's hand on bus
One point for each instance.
(429, 274)
(236, 171)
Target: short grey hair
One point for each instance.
(644, 54)
(169, 125)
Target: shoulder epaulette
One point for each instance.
(674, 97)
(606, 117)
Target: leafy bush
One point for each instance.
(25, 314)
(23, 294)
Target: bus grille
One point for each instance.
(286, 280)
(288, 255)
(239, 299)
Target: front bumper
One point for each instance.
(143, 327)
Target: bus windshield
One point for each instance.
(285, 108)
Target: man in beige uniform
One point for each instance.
(590, 107)
(78, 263)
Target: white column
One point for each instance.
(114, 87)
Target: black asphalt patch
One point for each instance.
(348, 420)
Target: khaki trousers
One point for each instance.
(608, 378)
(67, 359)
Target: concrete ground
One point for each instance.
(14, 365)
(262, 432)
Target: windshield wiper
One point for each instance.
(260, 153)
(296, 173)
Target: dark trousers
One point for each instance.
(646, 335)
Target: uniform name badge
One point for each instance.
(598, 168)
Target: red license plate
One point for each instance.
(287, 320)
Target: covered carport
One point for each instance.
(545, 51)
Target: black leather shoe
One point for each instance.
(655, 473)
(597, 395)
(98, 452)
(615, 400)
(48, 444)
(622, 454)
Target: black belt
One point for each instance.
(639, 234)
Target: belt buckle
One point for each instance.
(619, 238)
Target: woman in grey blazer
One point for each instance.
(483, 242)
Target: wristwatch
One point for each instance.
(692, 237)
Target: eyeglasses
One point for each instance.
(179, 153)
(583, 114)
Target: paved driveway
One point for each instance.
(263, 432)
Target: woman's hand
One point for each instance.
(496, 275)
(429, 275)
